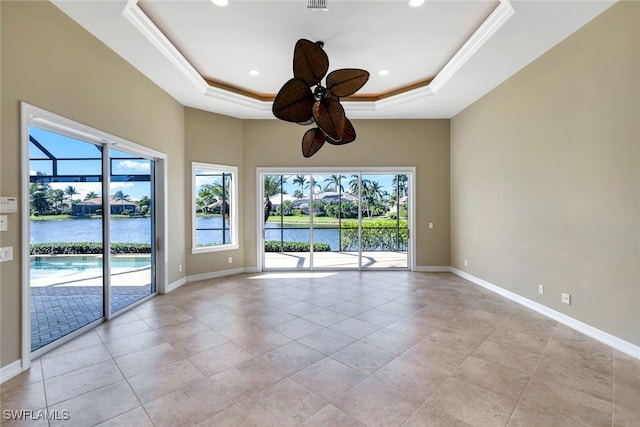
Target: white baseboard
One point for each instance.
(206, 276)
(214, 275)
(595, 333)
(175, 285)
(433, 269)
(10, 371)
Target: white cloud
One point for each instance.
(133, 165)
(121, 185)
(81, 187)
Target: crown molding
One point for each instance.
(496, 19)
(262, 102)
(141, 22)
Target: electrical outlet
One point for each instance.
(430, 225)
(230, 260)
(566, 299)
(180, 268)
(465, 262)
(541, 289)
(6, 254)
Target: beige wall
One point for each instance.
(545, 177)
(420, 143)
(212, 138)
(51, 62)
(543, 170)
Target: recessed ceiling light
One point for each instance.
(383, 72)
(416, 3)
(221, 3)
(254, 72)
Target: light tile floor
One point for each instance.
(344, 349)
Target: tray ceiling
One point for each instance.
(430, 61)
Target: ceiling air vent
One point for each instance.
(318, 4)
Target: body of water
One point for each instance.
(138, 230)
(329, 236)
(128, 230)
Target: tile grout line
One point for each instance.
(533, 372)
(613, 388)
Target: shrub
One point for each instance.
(278, 246)
(381, 235)
(81, 248)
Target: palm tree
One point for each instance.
(38, 197)
(335, 182)
(144, 203)
(374, 194)
(354, 186)
(316, 185)
(119, 195)
(91, 195)
(400, 185)
(208, 194)
(301, 180)
(56, 196)
(272, 185)
(70, 191)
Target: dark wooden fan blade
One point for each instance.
(349, 134)
(310, 62)
(329, 115)
(307, 123)
(312, 141)
(294, 102)
(346, 81)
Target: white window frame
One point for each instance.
(262, 171)
(233, 206)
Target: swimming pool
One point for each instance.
(47, 270)
(87, 262)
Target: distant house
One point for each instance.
(335, 197)
(277, 199)
(92, 206)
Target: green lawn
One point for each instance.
(324, 220)
(50, 217)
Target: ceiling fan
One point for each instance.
(297, 103)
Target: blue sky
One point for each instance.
(87, 163)
(386, 181)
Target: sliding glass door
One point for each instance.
(336, 219)
(335, 222)
(286, 227)
(385, 220)
(66, 235)
(86, 197)
(131, 228)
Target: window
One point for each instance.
(215, 207)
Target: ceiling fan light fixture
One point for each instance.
(318, 5)
(220, 3)
(416, 3)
